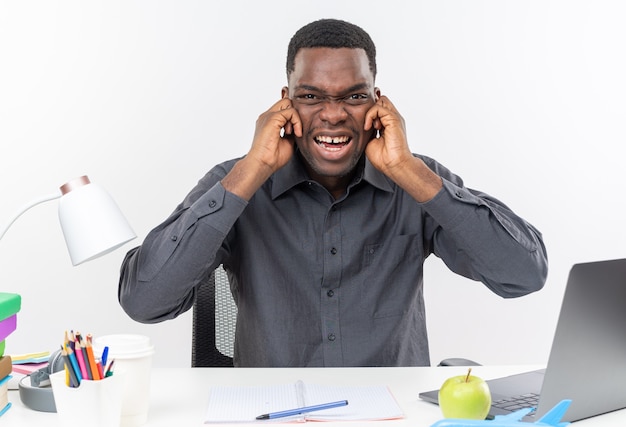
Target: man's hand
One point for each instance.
(272, 147)
(390, 153)
(273, 142)
(390, 150)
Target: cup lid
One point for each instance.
(125, 345)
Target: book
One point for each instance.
(7, 326)
(4, 395)
(6, 366)
(233, 404)
(22, 359)
(28, 368)
(10, 304)
(5, 408)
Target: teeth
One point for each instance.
(331, 140)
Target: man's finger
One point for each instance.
(283, 104)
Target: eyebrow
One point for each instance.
(356, 87)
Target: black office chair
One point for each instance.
(214, 319)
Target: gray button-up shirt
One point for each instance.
(325, 282)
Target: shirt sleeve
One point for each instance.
(479, 237)
(158, 278)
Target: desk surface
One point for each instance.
(179, 396)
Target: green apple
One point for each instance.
(465, 397)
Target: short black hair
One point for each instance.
(333, 33)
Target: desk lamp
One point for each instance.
(91, 221)
(92, 225)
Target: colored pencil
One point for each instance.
(69, 369)
(92, 361)
(109, 371)
(74, 363)
(81, 360)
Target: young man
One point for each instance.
(325, 224)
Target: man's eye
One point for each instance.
(357, 99)
(308, 98)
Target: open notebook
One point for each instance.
(242, 404)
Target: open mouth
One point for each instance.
(332, 143)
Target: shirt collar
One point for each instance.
(293, 173)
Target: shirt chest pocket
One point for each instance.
(391, 274)
(392, 252)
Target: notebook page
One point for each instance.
(242, 404)
(373, 402)
(232, 404)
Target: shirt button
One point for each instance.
(331, 337)
(174, 238)
(212, 203)
(330, 293)
(333, 251)
(459, 194)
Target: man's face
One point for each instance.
(332, 90)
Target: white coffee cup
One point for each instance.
(132, 355)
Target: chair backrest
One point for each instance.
(214, 320)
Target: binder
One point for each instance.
(7, 326)
(10, 304)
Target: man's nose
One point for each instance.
(333, 111)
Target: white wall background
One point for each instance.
(523, 99)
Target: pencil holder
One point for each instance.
(91, 404)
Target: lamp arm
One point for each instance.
(26, 207)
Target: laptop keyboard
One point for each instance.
(519, 402)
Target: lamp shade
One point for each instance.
(92, 223)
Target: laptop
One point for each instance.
(587, 361)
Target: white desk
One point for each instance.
(179, 396)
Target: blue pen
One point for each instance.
(105, 354)
(302, 410)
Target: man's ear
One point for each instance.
(377, 93)
(284, 93)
